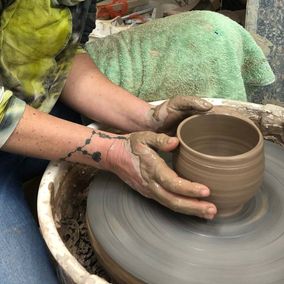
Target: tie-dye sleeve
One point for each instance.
(11, 111)
(66, 2)
(4, 4)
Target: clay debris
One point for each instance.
(73, 231)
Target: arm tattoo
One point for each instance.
(96, 156)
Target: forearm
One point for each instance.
(130, 157)
(47, 137)
(89, 92)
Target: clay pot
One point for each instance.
(225, 153)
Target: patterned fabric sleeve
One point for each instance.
(66, 2)
(11, 111)
(31, 73)
(4, 4)
(83, 15)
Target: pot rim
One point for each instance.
(245, 155)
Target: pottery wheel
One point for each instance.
(156, 245)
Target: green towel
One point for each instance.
(198, 53)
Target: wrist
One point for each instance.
(156, 117)
(97, 149)
(117, 157)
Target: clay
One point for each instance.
(225, 153)
(161, 183)
(171, 112)
(268, 118)
(155, 245)
(74, 233)
(69, 208)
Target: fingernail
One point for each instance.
(206, 104)
(211, 211)
(172, 140)
(205, 192)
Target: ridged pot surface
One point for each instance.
(226, 154)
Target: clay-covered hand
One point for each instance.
(166, 116)
(135, 161)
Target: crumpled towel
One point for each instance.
(198, 53)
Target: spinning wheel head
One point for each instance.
(140, 241)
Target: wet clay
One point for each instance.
(145, 160)
(269, 118)
(167, 115)
(225, 153)
(160, 182)
(69, 208)
(155, 245)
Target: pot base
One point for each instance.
(225, 213)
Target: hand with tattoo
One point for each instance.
(166, 116)
(136, 162)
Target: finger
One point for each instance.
(160, 171)
(169, 180)
(160, 141)
(189, 103)
(183, 205)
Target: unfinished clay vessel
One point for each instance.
(225, 153)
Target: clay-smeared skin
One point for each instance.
(154, 179)
(133, 158)
(169, 114)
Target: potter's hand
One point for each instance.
(136, 163)
(166, 116)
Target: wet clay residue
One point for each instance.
(167, 115)
(74, 233)
(268, 118)
(70, 216)
(160, 182)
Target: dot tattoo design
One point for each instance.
(96, 156)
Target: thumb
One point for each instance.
(189, 103)
(160, 141)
